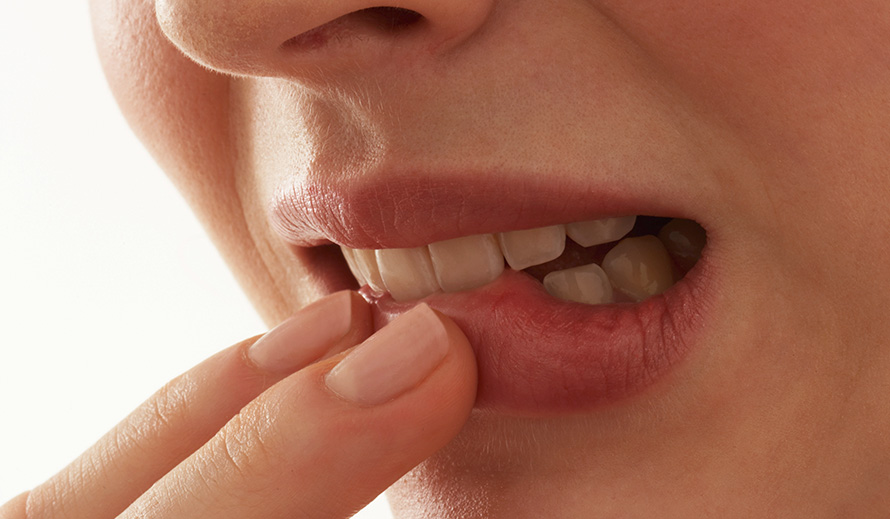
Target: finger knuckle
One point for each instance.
(168, 406)
(167, 410)
(244, 447)
(35, 506)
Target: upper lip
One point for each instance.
(401, 209)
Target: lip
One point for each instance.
(536, 355)
(400, 209)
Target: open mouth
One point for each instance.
(563, 317)
(569, 303)
(611, 260)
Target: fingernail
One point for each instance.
(305, 337)
(395, 359)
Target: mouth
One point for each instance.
(562, 317)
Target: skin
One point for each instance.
(770, 120)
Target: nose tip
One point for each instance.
(286, 38)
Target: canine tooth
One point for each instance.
(595, 232)
(349, 254)
(407, 273)
(639, 267)
(366, 263)
(466, 263)
(585, 284)
(533, 246)
(684, 240)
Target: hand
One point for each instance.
(313, 419)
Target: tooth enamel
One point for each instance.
(366, 262)
(523, 249)
(466, 263)
(639, 267)
(684, 240)
(407, 273)
(585, 284)
(349, 254)
(595, 232)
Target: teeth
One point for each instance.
(523, 249)
(407, 273)
(639, 267)
(684, 240)
(466, 263)
(366, 263)
(586, 284)
(596, 232)
(349, 254)
(635, 268)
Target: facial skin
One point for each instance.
(766, 122)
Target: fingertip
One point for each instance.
(412, 385)
(397, 358)
(376, 434)
(457, 378)
(362, 318)
(324, 328)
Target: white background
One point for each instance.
(108, 287)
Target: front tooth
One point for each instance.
(466, 263)
(349, 254)
(407, 273)
(596, 232)
(366, 263)
(639, 267)
(533, 246)
(585, 284)
(684, 240)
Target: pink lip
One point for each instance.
(536, 355)
(406, 209)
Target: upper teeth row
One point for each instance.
(473, 261)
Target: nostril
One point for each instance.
(385, 20)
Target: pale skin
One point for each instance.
(768, 122)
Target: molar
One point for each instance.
(587, 284)
(466, 263)
(684, 240)
(596, 232)
(639, 267)
(407, 273)
(523, 249)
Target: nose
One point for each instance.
(286, 38)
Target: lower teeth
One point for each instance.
(636, 268)
(587, 284)
(639, 267)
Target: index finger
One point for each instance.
(192, 408)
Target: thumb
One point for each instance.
(328, 439)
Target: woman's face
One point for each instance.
(757, 382)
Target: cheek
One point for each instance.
(769, 66)
(176, 108)
(777, 50)
(181, 113)
(801, 86)
(786, 77)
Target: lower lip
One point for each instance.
(539, 356)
